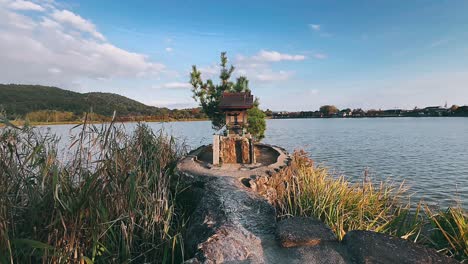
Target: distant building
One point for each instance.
(393, 112)
(436, 111)
(358, 113)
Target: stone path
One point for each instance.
(233, 224)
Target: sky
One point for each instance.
(298, 55)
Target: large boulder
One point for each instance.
(303, 231)
(376, 248)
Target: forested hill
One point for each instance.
(18, 100)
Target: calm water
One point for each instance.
(429, 154)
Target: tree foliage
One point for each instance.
(39, 103)
(329, 110)
(257, 123)
(209, 94)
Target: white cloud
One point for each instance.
(169, 49)
(315, 27)
(49, 23)
(318, 28)
(320, 56)
(76, 21)
(25, 5)
(210, 72)
(17, 21)
(49, 50)
(268, 76)
(274, 56)
(176, 85)
(258, 66)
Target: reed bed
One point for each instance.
(112, 201)
(304, 189)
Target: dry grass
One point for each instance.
(306, 190)
(303, 189)
(112, 202)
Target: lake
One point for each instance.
(429, 154)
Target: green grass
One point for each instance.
(112, 201)
(304, 189)
(449, 232)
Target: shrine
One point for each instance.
(234, 145)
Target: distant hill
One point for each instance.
(18, 100)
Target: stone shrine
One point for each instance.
(235, 145)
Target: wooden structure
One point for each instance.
(235, 146)
(235, 106)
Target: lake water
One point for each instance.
(429, 154)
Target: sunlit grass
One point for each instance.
(450, 232)
(304, 189)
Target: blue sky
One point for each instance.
(298, 54)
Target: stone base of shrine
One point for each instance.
(233, 149)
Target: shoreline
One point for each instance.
(22, 122)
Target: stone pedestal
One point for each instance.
(216, 149)
(233, 149)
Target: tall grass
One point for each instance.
(449, 232)
(111, 201)
(306, 190)
(303, 189)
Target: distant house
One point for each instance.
(345, 113)
(436, 111)
(358, 113)
(393, 112)
(461, 111)
(310, 114)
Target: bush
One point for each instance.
(256, 123)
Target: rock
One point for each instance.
(192, 261)
(326, 253)
(245, 150)
(231, 223)
(228, 150)
(371, 247)
(303, 231)
(232, 243)
(226, 222)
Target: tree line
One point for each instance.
(329, 111)
(38, 103)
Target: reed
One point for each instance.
(449, 233)
(111, 201)
(304, 189)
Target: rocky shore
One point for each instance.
(231, 221)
